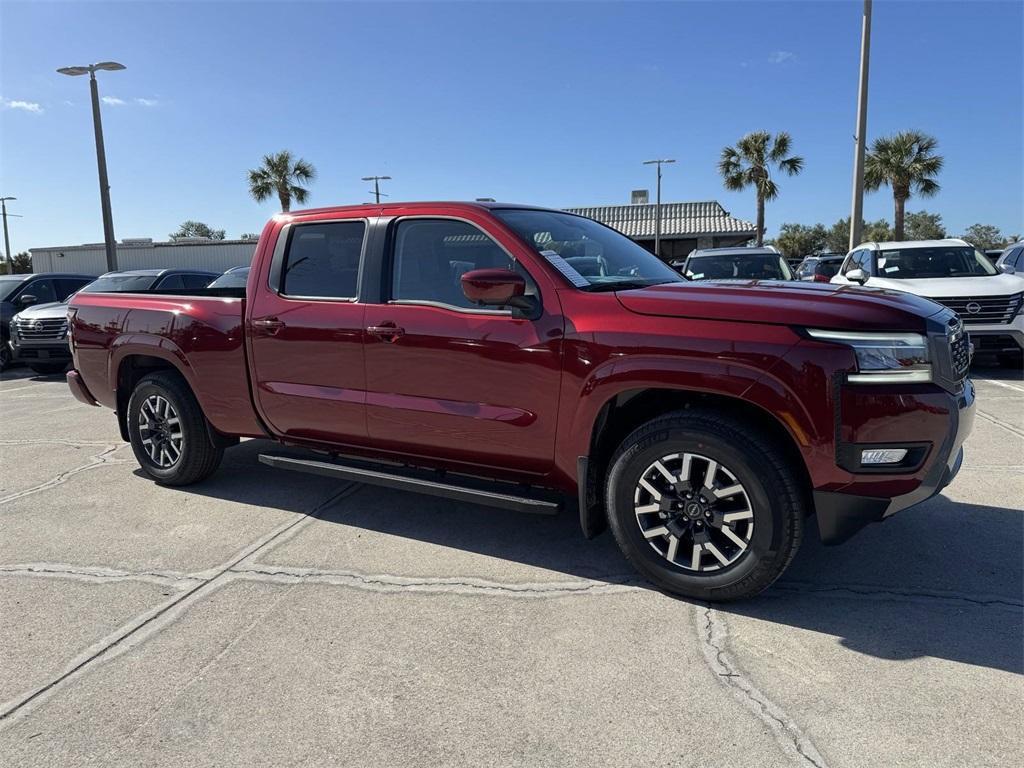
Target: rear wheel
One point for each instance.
(48, 369)
(704, 506)
(168, 431)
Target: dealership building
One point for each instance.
(684, 226)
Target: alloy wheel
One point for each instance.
(160, 431)
(694, 512)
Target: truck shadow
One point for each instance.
(945, 579)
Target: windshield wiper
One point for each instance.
(625, 285)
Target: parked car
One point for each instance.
(703, 422)
(1011, 259)
(18, 292)
(820, 268)
(736, 264)
(993, 254)
(38, 334)
(235, 277)
(955, 274)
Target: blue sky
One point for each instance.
(553, 104)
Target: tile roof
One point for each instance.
(677, 219)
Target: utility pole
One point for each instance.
(376, 185)
(657, 206)
(101, 155)
(857, 208)
(7, 240)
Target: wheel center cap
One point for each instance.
(693, 510)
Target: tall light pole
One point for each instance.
(7, 240)
(101, 156)
(857, 208)
(657, 206)
(376, 185)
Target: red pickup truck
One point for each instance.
(528, 359)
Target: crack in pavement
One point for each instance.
(155, 619)
(100, 459)
(98, 575)
(435, 585)
(714, 636)
(1008, 427)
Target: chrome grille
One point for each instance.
(974, 310)
(52, 329)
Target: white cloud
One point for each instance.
(781, 57)
(26, 106)
(68, 103)
(147, 102)
(113, 101)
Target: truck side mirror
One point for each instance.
(496, 288)
(27, 299)
(857, 276)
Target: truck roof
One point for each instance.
(478, 204)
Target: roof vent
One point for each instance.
(640, 197)
(137, 241)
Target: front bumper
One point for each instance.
(79, 390)
(841, 514)
(54, 352)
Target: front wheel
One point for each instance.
(168, 431)
(704, 506)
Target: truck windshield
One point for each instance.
(120, 284)
(944, 261)
(596, 257)
(731, 266)
(9, 285)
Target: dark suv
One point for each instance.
(18, 292)
(38, 334)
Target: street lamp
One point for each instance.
(376, 184)
(7, 241)
(657, 206)
(101, 157)
(857, 207)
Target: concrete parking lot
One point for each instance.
(269, 618)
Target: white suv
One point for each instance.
(954, 273)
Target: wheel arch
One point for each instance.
(133, 365)
(628, 409)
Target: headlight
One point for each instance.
(883, 358)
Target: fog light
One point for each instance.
(883, 455)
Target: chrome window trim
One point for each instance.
(274, 274)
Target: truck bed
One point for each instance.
(201, 333)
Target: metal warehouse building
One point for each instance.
(143, 253)
(684, 226)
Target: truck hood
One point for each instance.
(812, 305)
(50, 311)
(953, 287)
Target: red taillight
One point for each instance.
(821, 279)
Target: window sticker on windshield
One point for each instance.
(697, 276)
(565, 268)
(893, 268)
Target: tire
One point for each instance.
(170, 442)
(49, 369)
(1010, 359)
(765, 516)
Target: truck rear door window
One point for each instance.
(322, 260)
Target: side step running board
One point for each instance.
(425, 486)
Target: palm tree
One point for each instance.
(906, 162)
(280, 174)
(749, 164)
